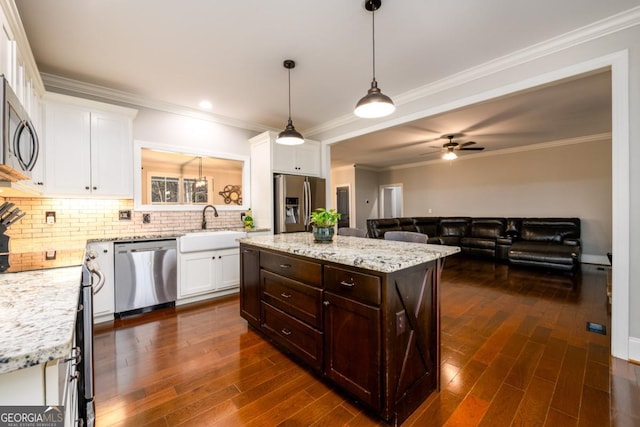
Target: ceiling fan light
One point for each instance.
(449, 155)
(374, 104)
(290, 136)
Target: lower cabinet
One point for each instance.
(250, 285)
(206, 272)
(352, 329)
(373, 335)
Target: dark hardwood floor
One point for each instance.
(515, 351)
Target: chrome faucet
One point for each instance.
(204, 219)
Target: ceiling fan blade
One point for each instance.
(472, 149)
(467, 143)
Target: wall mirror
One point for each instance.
(171, 178)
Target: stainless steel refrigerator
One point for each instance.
(295, 198)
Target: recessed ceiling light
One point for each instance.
(206, 105)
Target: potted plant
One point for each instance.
(324, 222)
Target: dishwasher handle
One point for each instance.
(155, 249)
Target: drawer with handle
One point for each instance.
(297, 299)
(297, 337)
(351, 284)
(298, 269)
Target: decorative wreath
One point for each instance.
(232, 194)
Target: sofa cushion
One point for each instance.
(406, 224)
(550, 229)
(453, 227)
(426, 225)
(478, 242)
(377, 227)
(490, 228)
(543, 253)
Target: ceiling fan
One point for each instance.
(450, 147)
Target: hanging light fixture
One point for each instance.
(374, 103)
(290, 136)
(202, 180)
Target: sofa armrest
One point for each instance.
(572, 241)
(435, 241)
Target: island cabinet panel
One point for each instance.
(374, 334)
(352, 347)
(297, 337)
(299, 300)
(307, 272)
(412, 338)
(250, 285)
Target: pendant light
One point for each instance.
(290, 136)
(202, 180)
(374, 104)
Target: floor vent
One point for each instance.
(597, 328)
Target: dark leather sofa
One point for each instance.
(538, 242)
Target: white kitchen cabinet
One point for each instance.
(208, 272)
(104, 300)
(88, 148)
(305, 159)
(297, 159)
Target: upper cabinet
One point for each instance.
(17, 63)
(297, 159)
(268, 158)
(88, 148)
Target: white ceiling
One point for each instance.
(231, 53)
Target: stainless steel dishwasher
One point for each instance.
(145, 275)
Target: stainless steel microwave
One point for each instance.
(20, 145)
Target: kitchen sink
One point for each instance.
(209, 240)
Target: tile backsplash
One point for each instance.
(77, 220)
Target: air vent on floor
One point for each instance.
(597, 328)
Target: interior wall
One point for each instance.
(341, 177)
(566, 181)
(366, 195)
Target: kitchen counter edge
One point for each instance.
(374, 254)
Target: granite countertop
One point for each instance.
(374, 254)
(37, 316)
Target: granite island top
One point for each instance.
(37, 316)
(384, 256)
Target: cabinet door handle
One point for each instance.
(87, 187)
(326, 303)
(285, 265)
(95, 188)
(348, 284)
(247, 251)
(285, 331)
(285, 295)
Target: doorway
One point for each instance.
(342, 203)
(391, 201)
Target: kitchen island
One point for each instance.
(37, 323)
(362, 313)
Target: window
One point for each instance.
(196, 190)
(164, 189)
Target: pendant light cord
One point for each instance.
(373, 39)
(289, 70)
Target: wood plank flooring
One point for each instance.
(515, 351)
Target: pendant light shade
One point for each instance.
(374, 103)
(449, 155)
(289, 136)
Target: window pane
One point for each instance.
(196, 191)
(164, 189)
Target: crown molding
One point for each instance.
(521, 149)
(56, 83)
(604, 27)
(15, 25)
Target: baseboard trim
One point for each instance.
(634, 349)
(594, 259)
